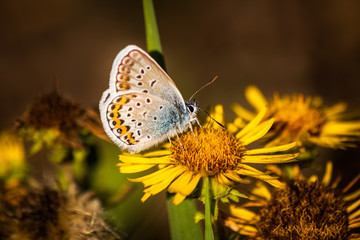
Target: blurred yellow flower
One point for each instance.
(209, 151)
(301, 119)
(12, 155)
(305, 209)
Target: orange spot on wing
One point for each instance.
(123, 129)
(131, 139)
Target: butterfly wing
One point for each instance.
(134, 70)
(136, 121)
(142, 106)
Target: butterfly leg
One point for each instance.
(192, 130)
(197, 121)
(170, 141)
(177, 135)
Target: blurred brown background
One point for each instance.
(287, 46)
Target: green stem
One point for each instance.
(151, 29)
(181, 217)
(209, 234)
(152, 33)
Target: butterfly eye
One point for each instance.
(191, 109)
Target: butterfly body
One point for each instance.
(142, 106)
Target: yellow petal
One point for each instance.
(145, 197)
(342, 128)
(166, 175)
(232, 127)
(233, 176)
(255, 97)
(186, 190)
(242, 112)
(252, 172)
(158, 187)
(270, 159)
(133, 168)
(355, 220)
(333, 141)
(261, 190)
(353, 226)
(220, 178)
(313, 179)
(353, 206)
(241, 228)
(352, 196)
(178, 198)
(328, 172)
(157, 153)
(271, 149)
(180, 182)
(242, 213)
(143, 160)
(354, 215)
(258, 132)
(219, 114)
(240, 123)
(252, 124)
(189, 188)
(157, 176)
(248, 230)
(335, 110)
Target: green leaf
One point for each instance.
(181, 220)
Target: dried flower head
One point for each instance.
(59, 124)
(45, 213)
(305, 209)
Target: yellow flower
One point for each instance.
(305, 209)
(12, 156)
(209, 151)
(301, 119)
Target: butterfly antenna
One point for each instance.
(203, 87)
(211, 117)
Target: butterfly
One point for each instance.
(142, 106)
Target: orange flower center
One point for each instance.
(294, 116)
(208, 151)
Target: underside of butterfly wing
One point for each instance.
(136, 122)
